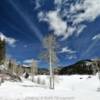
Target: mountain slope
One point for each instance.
(81, 67)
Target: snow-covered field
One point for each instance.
(74, 87)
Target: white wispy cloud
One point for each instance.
(76, 13)
(79, 12)
(55, 21)
(96, 37)
(69, 53)
(67, 50)
(42, 16)
(9, 40)
(58, 2)
(80, 28)
(29, 61)
(37, 4)
(69, 32)
(70, 57)
(91, 11)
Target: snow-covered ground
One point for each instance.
(74, 87)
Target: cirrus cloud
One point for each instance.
(96, 37)
(67, 50)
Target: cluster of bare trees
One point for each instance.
(12, 67)
(16, 71)
(49, 44)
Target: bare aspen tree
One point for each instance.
(33, 69)
(10, 69)
(97, 62)
(6, 63)
(19, 70)
(96, 69)
(50, 44)
(14, 66)
(11, 66)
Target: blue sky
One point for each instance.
(75, 23)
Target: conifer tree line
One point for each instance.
(2, 50)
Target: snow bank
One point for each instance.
(74, 87)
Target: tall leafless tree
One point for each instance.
(34, 69)
(50, 44)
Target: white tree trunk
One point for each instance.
(99, 75)
(51, 71)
